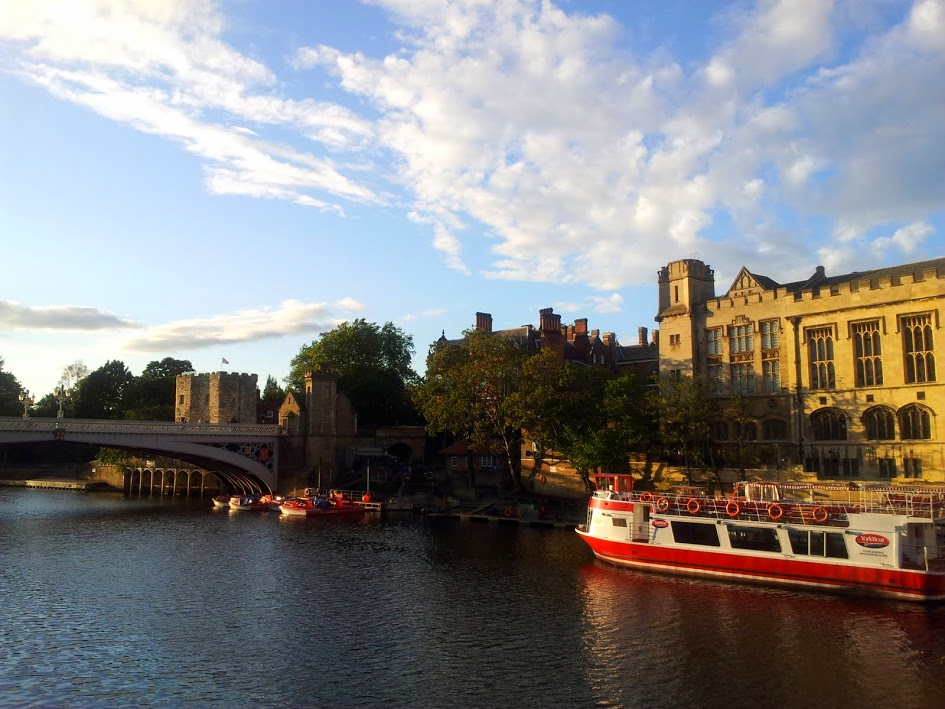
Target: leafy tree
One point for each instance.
(272, 391)
(150, 397)
(470, 391)
(630, 407)
(738, 411)
(101, 393)
(10, 390)
(372, 364)
(683, 409)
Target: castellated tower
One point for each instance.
(218, 398)
(321, 390)
(684, 288)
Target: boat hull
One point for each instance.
(901, 584)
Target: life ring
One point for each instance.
(820, 515)
(508, 511)
(732, 509)
(646, 497)
(366, 497)
(542, 479)
(775, 511)
(662, 504)
(693, 506)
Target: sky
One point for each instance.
(227, 180)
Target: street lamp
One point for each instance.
(61, 394)
(27, 402)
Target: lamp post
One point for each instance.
(61, 394)
(27, 402)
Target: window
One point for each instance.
(820, 352)
(912, 467)
(486, 461)
(718, 430)
(880, 424)
(619, 521)
(914, 422)
(714, 375)
(746, 431)
(180, 400)
(771, 371)
(828, 425)
(695, 533)
(454, 462)
(739, 338)
(851, 467)
(676, 293)
(774, 430)
(917, 348)
(887, 467)
(810, 543)
(769, 334)
(867, 352)
(675, 339)
(754, 538)
(743, 378)
(713, 341)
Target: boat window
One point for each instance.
(619, 521)
(754, 538)
(836, 546)
(695, 533)
(800, 540)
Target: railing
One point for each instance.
(9, 423)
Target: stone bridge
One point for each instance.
(234, 452)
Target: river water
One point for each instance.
(143, 602)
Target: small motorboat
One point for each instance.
(319, 507)
(248, 502)
(221, 501)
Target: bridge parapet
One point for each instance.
(201, 430)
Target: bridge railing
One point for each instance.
(18, 423)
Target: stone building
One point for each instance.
(834, 372)
(217, 397)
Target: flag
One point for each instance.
(226, 361)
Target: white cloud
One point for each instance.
(906, 239)
(15, 316)
(607, 304)
(431, 313)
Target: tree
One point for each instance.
(101, 393)
(150, 397)
(272, 391)
(630, 406)
(683, 409)
(469, 391)
(10, 389)
(372, 364)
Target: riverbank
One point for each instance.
(59, 484)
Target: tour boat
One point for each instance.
(875, 540)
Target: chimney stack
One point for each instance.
(641, 332)
(484, 322)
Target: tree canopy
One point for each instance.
(10, 389)
(101, 394)
(272, 391)
(150, 397)
(372, 363)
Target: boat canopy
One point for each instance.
(614, 482)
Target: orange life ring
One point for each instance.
(820, 515)
(646, 497)
(732, 509)
(366, 497)
(542, 479)
(662, 504)
(693, 506)
(775, 511)
(508, 511)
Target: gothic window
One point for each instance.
(880, 424)
(718, 430)
(739, 338)
(769, 335)
(828, 425)
(713, 341)
(820, 352)
(918, 349)
(914, 422)
(743, 378)
(774, 430)
(771, 370)
(867, 354)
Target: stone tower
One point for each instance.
(217, 398)
(684, 288)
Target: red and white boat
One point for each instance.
(320, 507)
(876, 540)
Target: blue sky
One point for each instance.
(209, 180)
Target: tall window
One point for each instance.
(746, 431)
(718, 430)
(743, 378)
(774, 430)
(828, 425)
(917, 348)
(867, 354)
(880, 424)
(713, 341)
(771, 370)
(739, 338)
(820, 352)
(914, 422)
(769, 335)
(716, 383)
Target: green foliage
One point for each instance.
(100, 394)
(683, 407)
(372, 364)
(272, 391)
(150, 397)
(10, 390)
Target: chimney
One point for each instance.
(484, 322)
(608, 338)
(548, 320)
(656, 338)
(580, 326)
(641, 333)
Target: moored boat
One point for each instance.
(874, 540)
(320, 507)
(252, 503)
(222, 501)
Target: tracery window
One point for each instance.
(867, 354)
(915, 422)
(739, 338)
(828, 425)
(820, 351)
(769, 334)
(743, 378)
(918, 348)
(880, 424)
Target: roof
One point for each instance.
(820, 279)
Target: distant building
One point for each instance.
(218, 397)
(835, 372)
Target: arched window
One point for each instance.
(880, 424)
(828, 425)
(746, 431)
(774, 430)
(915, 422)
(718, 430)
